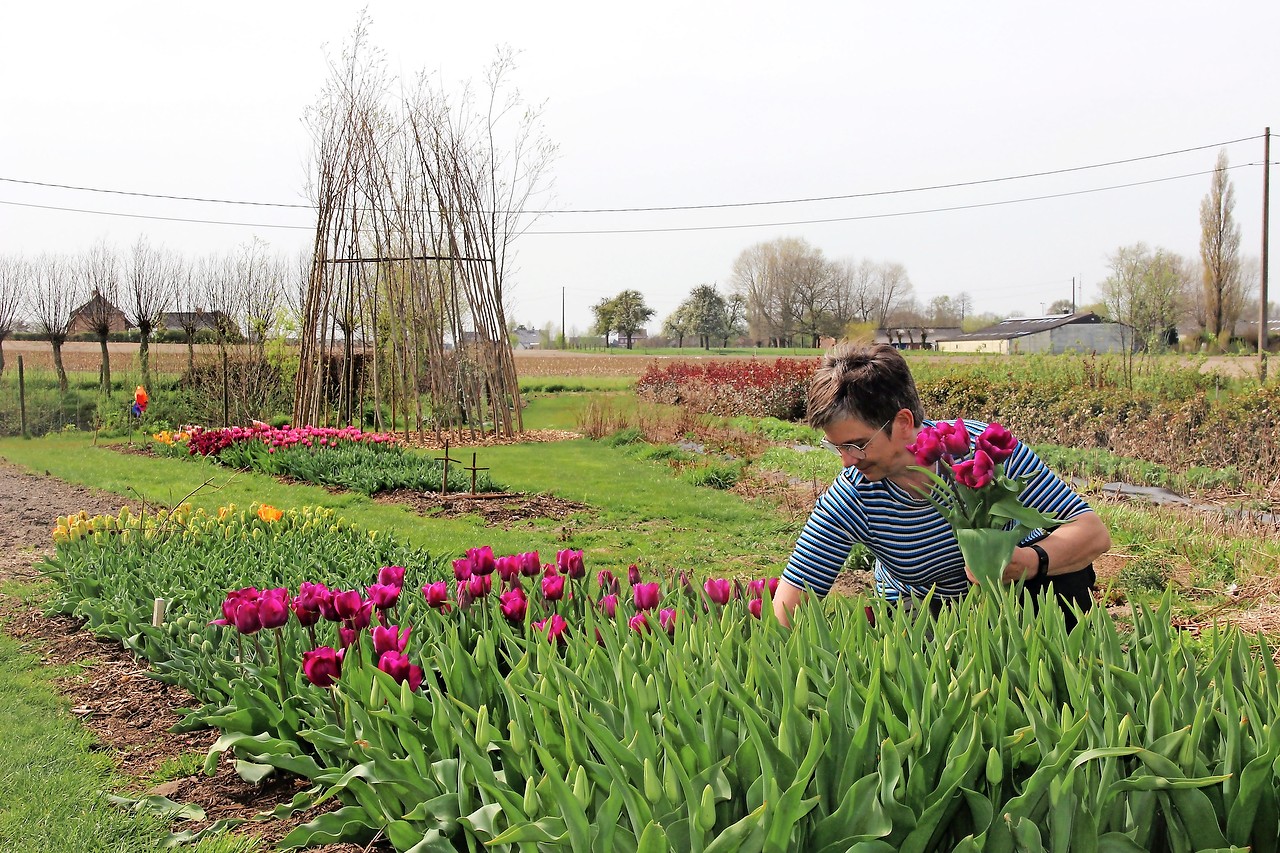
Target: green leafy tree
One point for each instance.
(625, 314)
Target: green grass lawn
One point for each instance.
(638, 510)
(51, 780)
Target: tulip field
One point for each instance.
(343, 457)
(525, 702)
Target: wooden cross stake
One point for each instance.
(444, 477)
(473, 469)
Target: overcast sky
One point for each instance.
(672, 104)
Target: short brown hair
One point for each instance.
(871, 383)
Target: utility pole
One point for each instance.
(1262, 299)
(564, 333)
(1073, 294)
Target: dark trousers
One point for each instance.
(1070, 588)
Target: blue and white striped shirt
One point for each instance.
(913, 544)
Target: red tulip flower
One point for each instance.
(755, 606)
(322, 666)
(633, 574)
(461, 569)
(639, 622)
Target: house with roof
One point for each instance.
(1082, 332)
(88, 317)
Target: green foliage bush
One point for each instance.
(713, 473)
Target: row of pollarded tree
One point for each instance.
(101, 290)
(419, 196)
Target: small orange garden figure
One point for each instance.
(268, 513)
(140, 399)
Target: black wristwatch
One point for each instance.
(1042, 570)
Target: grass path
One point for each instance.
(639, 512)
(51, 782)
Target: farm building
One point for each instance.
(1082, 332)
(88, 316)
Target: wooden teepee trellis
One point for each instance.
(403, 322)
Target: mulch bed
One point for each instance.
(501, 509)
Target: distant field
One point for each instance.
(172, 358)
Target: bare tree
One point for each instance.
(15, 280)
(1144, 292)
(97, 273)
(786, 285)
(220, 292)
(151, 283)
(55, 293)
(189, 310)
(1220, 253)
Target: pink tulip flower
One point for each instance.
(383, 595)
(513, 605)
(609, 605)
(273, 608)
(646, 595)
(436, 594)
(391, 575)
(482, 561)
(553, 587)
(976, 473)
(955, 438)
(927, 447)
(718, 590)
(570, 563)
(997, 442)
(555, 627)
(390, 639)
(396, 665)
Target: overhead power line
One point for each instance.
(677, 229)
(672, 208)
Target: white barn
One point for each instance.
(1083, 332)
